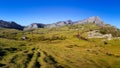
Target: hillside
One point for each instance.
(60, 47)
(10, 25)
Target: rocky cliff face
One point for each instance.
(11, 25)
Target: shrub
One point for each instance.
(110, 30)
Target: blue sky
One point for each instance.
(26, 12)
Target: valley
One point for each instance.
(59, 47)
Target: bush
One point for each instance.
(110, 30)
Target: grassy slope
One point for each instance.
(60, 48)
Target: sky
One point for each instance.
(25, 12)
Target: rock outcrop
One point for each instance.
(34, 26)
(97, 34)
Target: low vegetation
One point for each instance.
(110, 30)
(60, 47)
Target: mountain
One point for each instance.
(11, 25)
(95, 19)
(34, 26)
(40, 25)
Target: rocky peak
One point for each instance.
(94, 19)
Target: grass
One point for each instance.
(55, 52)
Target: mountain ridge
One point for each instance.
(94, 19)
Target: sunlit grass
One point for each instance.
(60, 48)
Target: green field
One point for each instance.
(59, 47)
